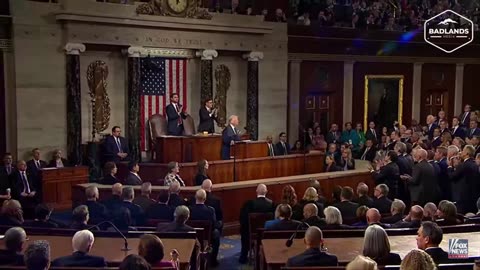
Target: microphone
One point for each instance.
(290, 240)
(125, 248)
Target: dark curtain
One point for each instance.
(134, 108)
(252, 100)
(74, 116)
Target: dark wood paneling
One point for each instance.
(471, 93)
(321, 78)
(438, 78)
(363, 68)
(3, 126)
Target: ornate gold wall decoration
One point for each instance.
(97, 74)
(175, 8)
(223, 78)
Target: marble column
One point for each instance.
(417, 91)
(74, 108)
(295, 67)
(348, 91)
(133, 110)
(458, 99)
(206, 74)
(252, 93)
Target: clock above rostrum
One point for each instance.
(175, 8)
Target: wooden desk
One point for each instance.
(275, 254)
(110, 248)
(249, 149)
(57, 185)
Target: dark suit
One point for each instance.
(423, 185)
(333, 137)
(383, 204)
(369, 135)
(465, 118)
(133, 180)
(8, 181)
(392, 219)
(282, 225)
(407, 224)
(160, 211)
(465, 186)
(175, 200)
(144, 202)
(473, 132)
(297, 209)
(436, 142)
(214, 202)
(390, 176)
(174, 227)
(345, 165)
(443, 181)
(136, 212)
(312, 257)
(111, 149)
(109, 180)
(459, 132)
(174, 126)
(315, 221)
(53, 163)
(11, 258)
(368, 154)
(113, 203)
(438, 255)
(365, 200)
(199, 178)
(347, 208)
(97, 212)
(28, 203)
(206, 121)
(390, 259)
(79, 259)
(280, 150)
(436, 168)
(430, 131)
(39, 224)
(34, 173)
(207, 213)
(228, 135)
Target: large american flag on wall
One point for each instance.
(160, 78)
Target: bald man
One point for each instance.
(116, 200)
(313, 255)
(229, 135)
(310, 215)
(423, 184)
(373, 217)
(413, 220)
(261, 204)
(82, 243)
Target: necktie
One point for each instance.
(271, 150)
(345, 168)
(284, 149)
(471, 132)
(118, 145)
(234, 130)
(374, 134)
(464, 117)
(9, 170)
(365, 153)
(37, 163)
(179, 121)
(26, 186)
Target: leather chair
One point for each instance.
(189, 126)
(157, 126)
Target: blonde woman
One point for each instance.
(310, 196)
(346, 161)
(362, 263)
(418, 260)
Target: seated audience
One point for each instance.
(137, 213)
(447, 214)
(82, 243)
(134, 262)
(161, 210)
(310, 215)
(144, 200)
(417, 260)
(116, 200)
(283, 220)
(97, 211)
(310, 196)
(333, 218)
(346, 206)
(314, 255)
(110, 170)
(289, 196)
(213, 201)
(58, 161)
(133, 179)
(429, 237)
(15, 239)
(346, 161)
(297, 148)
(172, 175)
(12, 214)
(361, 217)
(202, 168)
(377, 246)
(429, 212)
(362, 263)
(151, 248)
(37, 255)
(181, 216)
(381, 201)
(80, 217)
(122, 219)
(331, 164)
(413, 220)
(42, 218)
(337, 190)
(397, 209)
(373, 217)
(175, 199)
(363, 198)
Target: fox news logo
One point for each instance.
(448, 31)
(457, 248)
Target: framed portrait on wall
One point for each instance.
(383, 100)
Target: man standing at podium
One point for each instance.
(207, 115)
(229, 135)
(175, 116)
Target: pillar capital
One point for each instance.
(253, 56)
(207, 54)
(134, 51)
(74, 48)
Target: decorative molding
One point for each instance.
(74, 48)
(162, 52)
(135, 51)
(253, 56)
(375, 58)
(162, 8)
(5, 44)
(207, 54)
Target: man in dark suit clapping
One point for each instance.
(115, 147)
(175, 116)
(313, 255)
(388, 173)
(372, 134)
(282, 147)
(82, 243)
(207, 116)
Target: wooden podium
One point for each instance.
(57, 185)
(249, 149)
(188, 149)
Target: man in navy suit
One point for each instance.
(313, 255)
(25, 189)
(333, 136)
(229, 135)
(282, 148)
(465, 117)
(15, 240)
(473, 130)
(175, 116)
(207, 116)
(116, 146)
(436, 140)
(181, 215)
(443, 182)
(34, 166)
(200, 211)
(429, 237)
(430, 126)
(97, 211)
(372, 134)
(213, 201)
(138, 215)
(82, 243)
(133, 179)
(457, 130)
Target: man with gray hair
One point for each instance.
(362, 193)
(181, 215)
(98, 212)
(115, 200)
(37, 255)
(82, 243)
(144, 200)
(381, 201)
(423, 184)
(15, 239)
(137, 213)
(429, 211)
(310, 215)
(229, 135)
(413, 220)
(313, 255)
(397, 209)
(464, 177)
(174, 195)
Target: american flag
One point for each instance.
(160, 78)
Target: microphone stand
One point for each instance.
(290, 240)
(304, 152)
(234, 161)
(125, 247)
